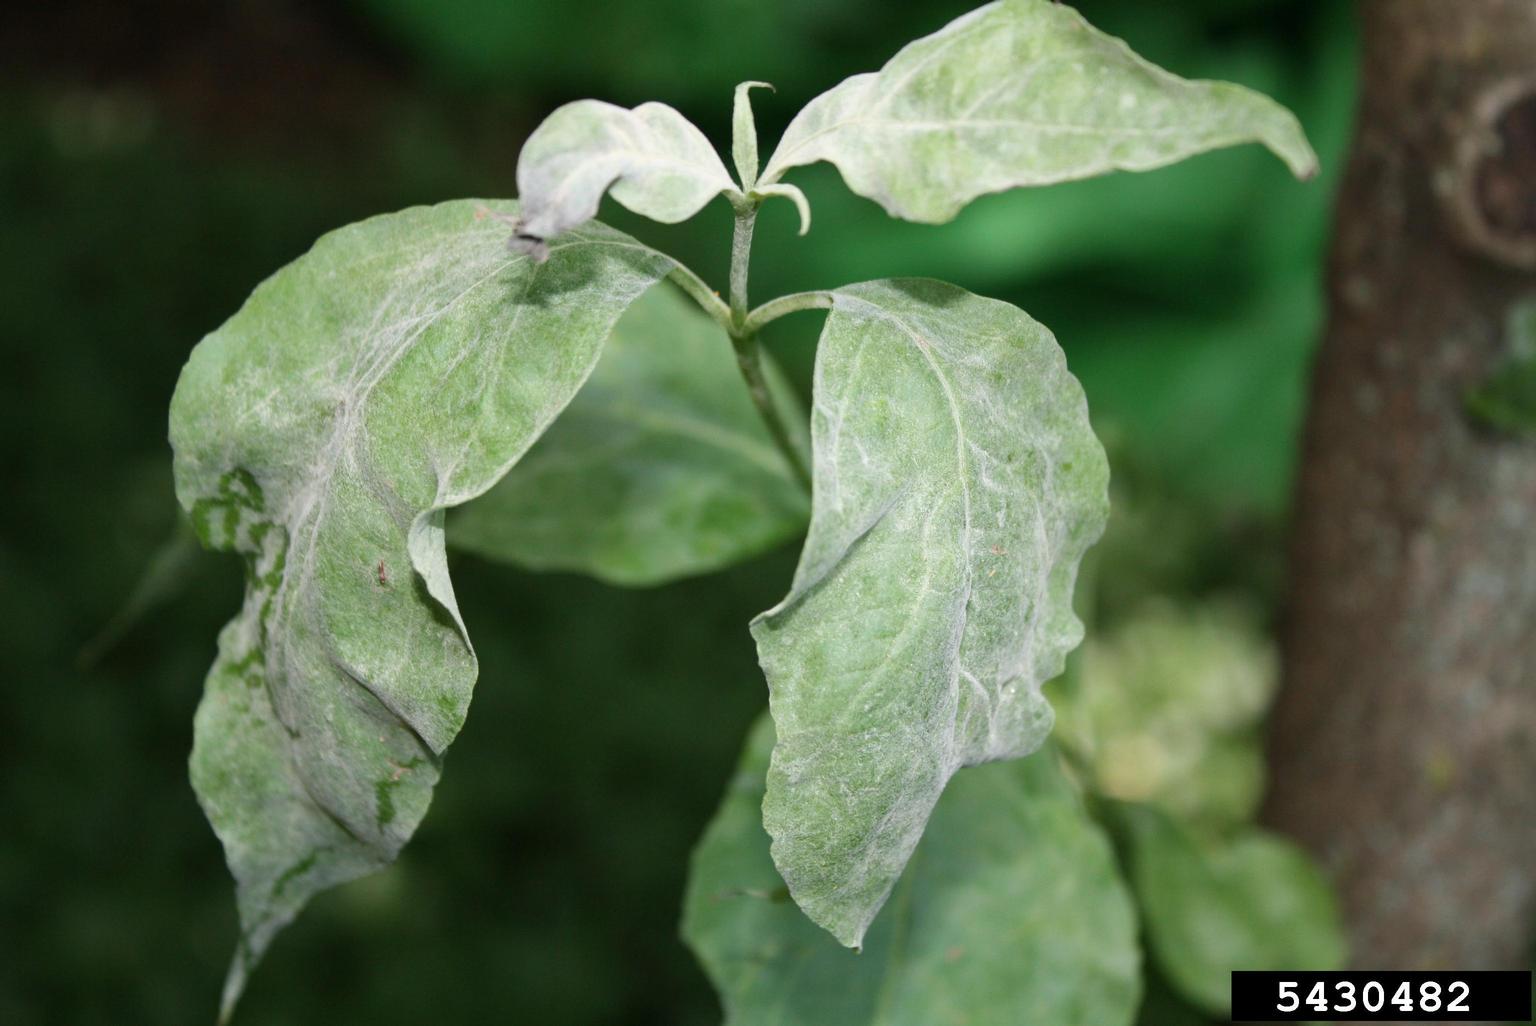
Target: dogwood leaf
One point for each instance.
(1020, 92)
(397, 369)
(957, 484)
(660, 468)
(744, 133)
(744, 153)
(1255, 901)
(653, 160)
(1011, 911)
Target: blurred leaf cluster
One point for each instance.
(1166, 707)
(1161, 716)
(546, 882)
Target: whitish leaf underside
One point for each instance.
(653, 160)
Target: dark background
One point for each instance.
(158, 160)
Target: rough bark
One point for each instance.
(1403, 747)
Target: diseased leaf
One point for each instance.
(791, 193)
(398, 368)
(744, 133)
(957, 485)
(659, 469)
(653, 160)
(1020, 92)
(1011, 911)
(1254, 902)
(744, 153)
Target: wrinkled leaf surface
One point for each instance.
(1018, 93)
(957, 484)
(397, 369)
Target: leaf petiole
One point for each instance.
(708, 299)
(749, 359)
(792, 303)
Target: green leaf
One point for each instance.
(654, 160)
(659, 469)
(1021, 92)
(744, 153)
(1507, 400)
(791, 193)
(1255, 902)
(1011, 911)
(398, 368)
(744, 133)
(957, 485)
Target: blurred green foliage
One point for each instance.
(1011, 909)
(1507, 400)
(1252, 902)
(1165, 708)
(546, 882)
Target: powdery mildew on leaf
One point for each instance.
(397, 369)
(653, 160)
(744, 133)
(1012, 911)
(957, 486)
(660, 468)
(1018, 93)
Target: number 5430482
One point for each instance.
(1344, 996)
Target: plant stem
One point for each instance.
(749, 359)
(749, 353)
(741, 258)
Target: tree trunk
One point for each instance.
(1403, 745)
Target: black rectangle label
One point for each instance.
(1381, 996)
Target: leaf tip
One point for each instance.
(1291, 145)
(852, 938)
(522, 240)
(528, 244)
(1306, 166)
(234, 985)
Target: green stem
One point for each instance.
(792, 303)
(749, 353)
(741, 259)
(707, 298)
(749, 359)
